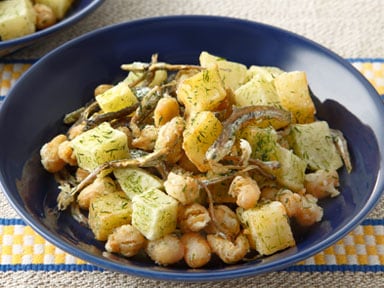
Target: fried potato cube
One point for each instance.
(201, 131)
(203, 91)
(258, 89)
(59, 7)
(116, 98)
(135, 181)
(154, 213)
(292, 89)
(108, 212)
(99, 145)
(233, 74)
(268, 227)
(313, 143)
(17, 19)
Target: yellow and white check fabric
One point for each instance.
(22, 249)
(9, 73)
(373, 70)
(22, 246)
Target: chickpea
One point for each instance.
(290, 200)
(182, 187)
(310, 212)
(45, 17)
(226, 221)
(303, 208)
(197, 251)
(126, 240)
(75, 130)
(146, 140)
(170, 137)
(50, 156)
(165, 110)
(101, 186)
(245, 190)
(228, 251)
(193, 218)
(65, 152)
(166, 250)
(322, 183)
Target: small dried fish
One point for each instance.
(99, 118)
(239, 117)
(342, 147)
(150, 160)
(144, 67)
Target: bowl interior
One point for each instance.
(64, 80)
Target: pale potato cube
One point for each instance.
(116, 98)
(154, 213)
(203, 91)
(59, 7)
(108, 212)
(268, 227)
(257, 91)
(99, 145)
(233, 74)
(17, 19)
(265, 147)
(201, 132)
(266, 72)
(135, 181)
(313, 143)
(293, 91)
(262, 140)
(292, 169)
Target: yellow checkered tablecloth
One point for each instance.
(22, 249)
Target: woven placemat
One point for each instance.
(351, 28)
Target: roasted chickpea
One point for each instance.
(44, 16)
(165, 110)
(65, 152)
(126, 240)
(197, 251)
(50, 154)
(166, 250)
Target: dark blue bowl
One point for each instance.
(80, 9)
(64, 80)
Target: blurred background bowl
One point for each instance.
(33, 112)
(80, 9)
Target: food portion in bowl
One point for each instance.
(182, 162)
(19, 18)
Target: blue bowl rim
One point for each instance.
(209, 275)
